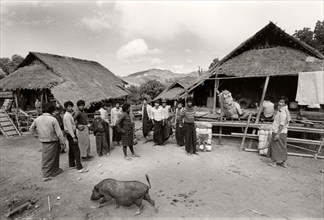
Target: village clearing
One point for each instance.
(223, 183)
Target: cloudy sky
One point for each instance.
(130, 36)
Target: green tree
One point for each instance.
(319, 36)
(10, 65)
(305, 35)
(152, 88)
(134, 96)
(313, 38)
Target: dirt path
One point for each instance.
(223, 183)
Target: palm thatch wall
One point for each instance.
(67, 78)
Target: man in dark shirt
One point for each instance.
(57, 114)
(81, 121)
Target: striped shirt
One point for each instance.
(188, 115)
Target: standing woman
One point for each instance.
(278, 145)
(125, 125)
(187, 121)
(178, 129)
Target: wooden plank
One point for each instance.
(243, 124)
(5, 123)
(245, 132)
(289, 140)
(289, 153)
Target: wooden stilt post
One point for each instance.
(245, 131)
(261, 106)
(215, 93)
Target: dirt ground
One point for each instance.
(224, 183)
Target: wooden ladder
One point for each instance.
(7, 127)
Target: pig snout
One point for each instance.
(95, 195)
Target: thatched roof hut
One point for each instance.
(270, 52)
(67, 78)
(172, 92)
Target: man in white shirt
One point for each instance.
(147, 124)
(70, 130)
(167, 129)
(114, 116)
(50, 135)
(158, 122)
(267, 108)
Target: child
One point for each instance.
(99, 130)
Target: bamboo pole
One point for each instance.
(245, 132)
(320, 147)
(261, 106)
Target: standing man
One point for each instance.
(158, 122)
(50, 135)
(70, 130)
(147, 124)
(38, 106)
(57, 114)
(178, 129)
(115, 114)
(278, 144)
(187, 121)
(81, 120)
(104, 115)
(167, 129)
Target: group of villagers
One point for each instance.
(52, 130)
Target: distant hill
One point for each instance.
(164, 76)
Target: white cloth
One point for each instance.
(310, 90)
(148, 110)
(114, 115)
(69, 124)
(158, 113)
(104, 115)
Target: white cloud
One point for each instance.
(98, 22)
(215, 22)
(137, 50)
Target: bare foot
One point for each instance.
(127, 158)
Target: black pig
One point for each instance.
(125, 193)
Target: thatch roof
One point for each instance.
(269, 62)
(172, 92)
(269, 36)
(31, 77)
(271, 51)
(68, 78)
